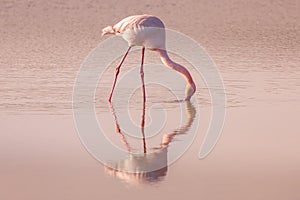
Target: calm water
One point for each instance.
(257, 50)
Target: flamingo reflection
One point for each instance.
(138, 168)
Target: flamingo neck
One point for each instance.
(191, 87)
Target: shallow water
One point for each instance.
(256, 48)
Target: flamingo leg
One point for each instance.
(142, 75)
(144, 100)
(117, 73)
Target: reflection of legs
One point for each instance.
(142, 75)
(143, 127)
(118, 129)
(117, 73)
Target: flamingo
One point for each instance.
(147, 31)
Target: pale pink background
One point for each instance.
(256, 47)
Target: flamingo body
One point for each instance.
(140, 30)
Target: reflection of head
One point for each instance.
(152, 166)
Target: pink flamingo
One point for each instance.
(149, 32)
